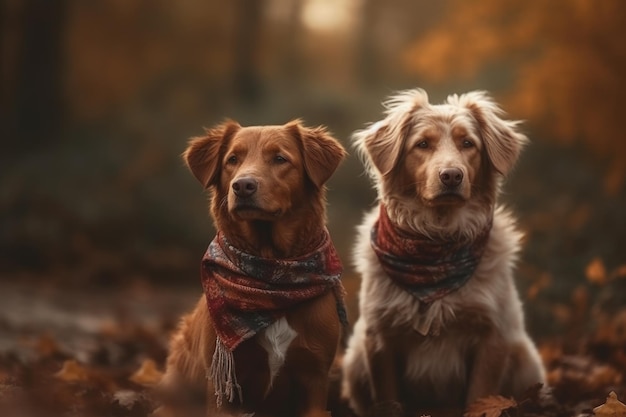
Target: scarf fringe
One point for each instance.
(223, 374)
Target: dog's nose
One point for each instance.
(451, 177)
(245, 187)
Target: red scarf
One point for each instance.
(246, 293)
(429, 269)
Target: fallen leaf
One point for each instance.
(147, 374)
(611, 408)
(491, 406)
(72, 371)
(596, 272)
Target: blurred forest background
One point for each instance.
(100, 220)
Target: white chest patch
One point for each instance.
(276, 339)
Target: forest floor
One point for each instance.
(98, 352)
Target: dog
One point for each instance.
(262, 338)
(441, 322)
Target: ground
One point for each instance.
(98, 352)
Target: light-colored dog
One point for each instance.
(441, 322)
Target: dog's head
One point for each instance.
(442, 155)
(263, 173)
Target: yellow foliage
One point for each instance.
(566, 57)
(116, 48)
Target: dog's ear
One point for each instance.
(503, 141)
(203, 154)
(321, 152)
(381, 143)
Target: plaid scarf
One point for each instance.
(429, 269)
(246, 294)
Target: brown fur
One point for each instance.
(284, 218)
(471, 343)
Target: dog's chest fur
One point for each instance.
(449, 328)
(275, 339)
(260, 361)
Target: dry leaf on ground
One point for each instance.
(492, 406)
(612, 408)
(147, 374)
(72, 371)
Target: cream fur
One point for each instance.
(472, 342)
(276, 339)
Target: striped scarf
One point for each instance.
(246, 294)
(428, 269)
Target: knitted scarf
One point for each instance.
(428, 269)
(246, 293)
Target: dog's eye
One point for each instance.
(231, 160)
(422, 144)
(279, 159)
(468, 143)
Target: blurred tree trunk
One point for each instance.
(6, 96)
(367, 65)
(293, 65)
(38, 112)
(3, 59)
(247, 77)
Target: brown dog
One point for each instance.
(262, 338)
(441, 323)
